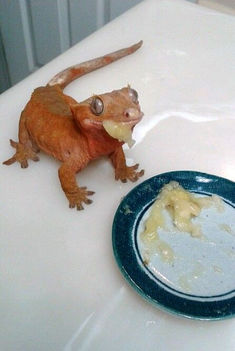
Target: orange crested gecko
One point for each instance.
(77, 132)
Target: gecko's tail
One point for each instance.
(68, 75)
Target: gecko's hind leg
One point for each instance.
(26, 149)
(22, 155)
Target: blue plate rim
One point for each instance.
(210, 310)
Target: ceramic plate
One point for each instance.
(200, 281)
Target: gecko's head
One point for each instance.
(115, 113)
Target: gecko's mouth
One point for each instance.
(120, 130)
(131, 123)
(99, 124)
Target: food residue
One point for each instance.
(226, 228)
(182, 206)
(120, 131)
(186, 280)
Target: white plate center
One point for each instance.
(201, 266)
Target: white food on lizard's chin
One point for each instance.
(120, 131)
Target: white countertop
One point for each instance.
(60, 286)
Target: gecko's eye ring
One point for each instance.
(133, 95)
(97, 106)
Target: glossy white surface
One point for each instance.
(60, 286)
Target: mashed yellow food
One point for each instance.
(182, 207)
(120, 131)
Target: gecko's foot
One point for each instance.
(22, 155)
(128, 173)
(79, 197)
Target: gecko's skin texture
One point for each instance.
(73, 132)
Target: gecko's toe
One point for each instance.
(88, 201)
(80, 207)
(24, 164)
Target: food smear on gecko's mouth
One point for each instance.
(120, 131)
(182, 206)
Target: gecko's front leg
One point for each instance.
(122, 171)
(77, 196)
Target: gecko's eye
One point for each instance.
(133, 95)
(97, 105)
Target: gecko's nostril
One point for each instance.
(131, 113)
